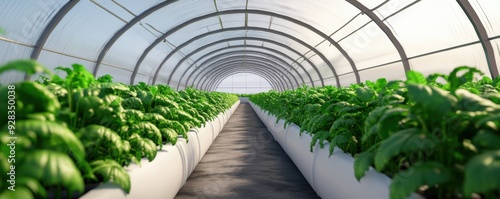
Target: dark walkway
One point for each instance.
(245, 162)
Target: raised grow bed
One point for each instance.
(167, 173)
(76, 132)
(431, 135)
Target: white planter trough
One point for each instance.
(206, 137)
(167, 173)
(163, 177)
(331, 177)
(277, 129)
(297, 148)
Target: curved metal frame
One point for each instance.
(226, 75)
(230, 68)
(219, 77)
(266, 48)
(237, 60)
(240, 38)
(300, 23)
(386, 30)
(273, 75)
(248, 62)
(482, 34)
(237, 38)
(239, 52)
(222, 31)
(479, 27)
(258, 73)
(249, 38)
(124, 29)
(239, 68)
(146, 13)
(48, 29)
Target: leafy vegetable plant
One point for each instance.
(78, 130)
(439, 134)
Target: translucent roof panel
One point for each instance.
(83, 31)
(442, 26)
(179, 12)
(296, 30)
(369, 46)
(390, 72)
(192, 30)
(127, 50)
(487, 10)
(137, 7)
(158, 41)
(297, 57)
(393, 7)
(345, 79)
(446, 61)
(24, 21)
(496, 48)
(12, 52)
(316, 13)
(372, 4)
(247, 83)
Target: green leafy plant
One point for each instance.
(77, 130)
(436, 132)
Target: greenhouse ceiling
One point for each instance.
(288, 43)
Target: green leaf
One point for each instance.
(408, 181)
(365, 94)
(362, 163)
(494, 97)
(30, 97)
(105, 79)
(29, 67)
(50, 135)
(170, 135)
(389, 122)
(113, 172)
(100, 142)
(414, 77)
(432, 78)
(112, 88)
(34, 185)
(371, 121)
(146, 98)
(472, 102)
(147, 130)
(319, 137)
(21, 192)
(431, 100)
(132, 103)
(78, 77)
(52, 168)
(487, 139)
(456, 81)
(403, 141)
(381, 83)
(142, 147)
(42, 116)
(482, 173)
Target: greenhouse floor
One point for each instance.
(245, 162)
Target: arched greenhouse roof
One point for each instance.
(288, 43)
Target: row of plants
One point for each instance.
(78, 130)
(437, 135)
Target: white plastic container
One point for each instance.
(161, 178)
(167, 173)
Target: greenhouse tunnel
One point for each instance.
(251, 46)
